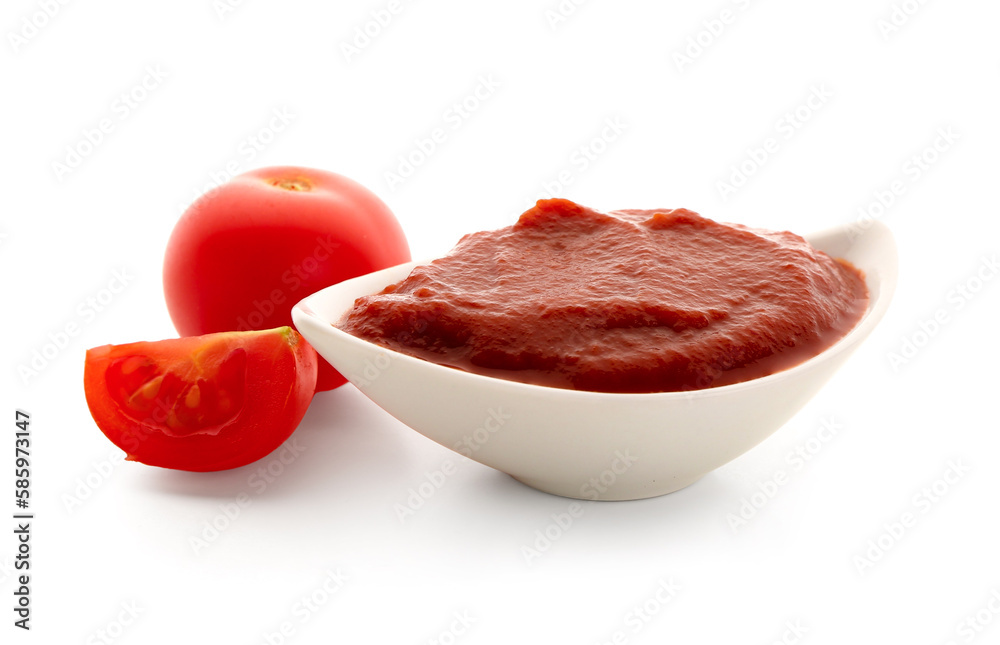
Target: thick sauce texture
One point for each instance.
(624, 301)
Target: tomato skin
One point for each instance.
(202, 403)
(244, 253)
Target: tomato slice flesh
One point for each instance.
(202, 403)
(187, 397)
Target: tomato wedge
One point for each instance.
(204, 402)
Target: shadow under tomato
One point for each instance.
(340, 438)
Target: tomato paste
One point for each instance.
(623, 301)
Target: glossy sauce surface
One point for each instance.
(624, 301)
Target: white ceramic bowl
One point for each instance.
(590, 445)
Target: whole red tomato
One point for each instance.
(202, 403)
(244, 253)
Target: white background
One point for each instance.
(109, 535)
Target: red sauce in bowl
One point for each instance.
(624, 301)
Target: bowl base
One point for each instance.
(617, 493)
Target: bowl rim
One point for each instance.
(887, 277)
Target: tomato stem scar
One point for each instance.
(299, 184)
